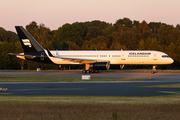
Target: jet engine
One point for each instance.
(100, 66)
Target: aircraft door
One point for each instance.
(154, 57)
(123, 57)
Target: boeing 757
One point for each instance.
(94, 60)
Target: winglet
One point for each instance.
(57, 54)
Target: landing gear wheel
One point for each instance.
(96, 71)
(93, 71)
(84, 71)
(154, 69)
(88, 71)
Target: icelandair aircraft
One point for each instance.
(93, 60)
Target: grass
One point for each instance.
(85, 107)
(89, 108)
(171, 99)
(161, 86)
(32, 78)
(46, 111)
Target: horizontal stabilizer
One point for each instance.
(19, 54)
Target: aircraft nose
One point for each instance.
(171, 60)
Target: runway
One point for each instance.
(90, 88)
(157, 76)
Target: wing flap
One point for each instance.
(83, 61)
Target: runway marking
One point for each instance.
(47, 89)
(5, 93)
(169, 92)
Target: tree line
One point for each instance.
(124, 34)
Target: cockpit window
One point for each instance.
(165, 56)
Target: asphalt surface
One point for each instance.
(90, 88)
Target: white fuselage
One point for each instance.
(135, 57)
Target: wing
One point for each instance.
(78, 60)
(83, 61)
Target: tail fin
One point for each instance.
(29, 44)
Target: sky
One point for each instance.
(55, 13)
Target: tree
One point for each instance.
(177, 53)
(143, 27)
(136, 23)
(178, 26)
(168, 34)
(88, 45)
(7, 36)
(41, 33)
(75, 33)
(19, 49)
(117, 46)
(97, 23)
(72, 45)
(93, 32)
(100, 43)
(153, 44)
(62, 45)
(154, 26)
(5, 60)
(43, 36)
(141, 45)
(171, 51)
(124, 22)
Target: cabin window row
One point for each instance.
(138, 55)
(79, 55)
(89, 55)
(116, 55)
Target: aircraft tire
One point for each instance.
(84, 71)
(92, 71)
(96, 71)
(88, 71)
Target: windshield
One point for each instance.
(165, 56)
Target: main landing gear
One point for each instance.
(90, 71)
(153, 70)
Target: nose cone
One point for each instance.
(171, 60)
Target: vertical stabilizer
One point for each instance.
(29, 44)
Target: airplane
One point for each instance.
(94, 60)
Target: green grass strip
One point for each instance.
(171, 99)
(32, 78)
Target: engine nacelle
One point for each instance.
(101, 66)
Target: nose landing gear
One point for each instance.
(153, 70)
